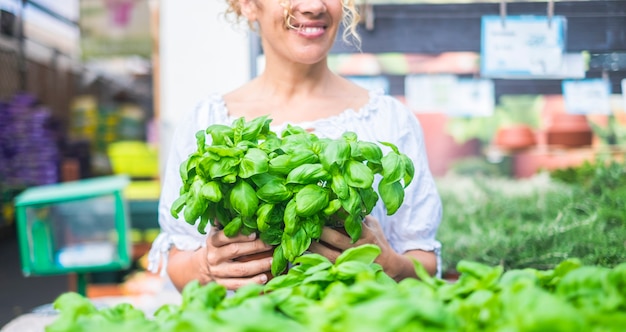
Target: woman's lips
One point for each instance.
(310, 31)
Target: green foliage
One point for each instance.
(354, 294)
(246, 178)
(536, 222)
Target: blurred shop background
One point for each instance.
(95, 88)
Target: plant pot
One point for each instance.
(569, 130)
(515, 137)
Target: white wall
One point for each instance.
(200, 53)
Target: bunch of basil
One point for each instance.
(288, 187)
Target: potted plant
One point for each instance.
(286, 187)
(511, 127)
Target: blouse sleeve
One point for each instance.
(415, 224)
(176, 232)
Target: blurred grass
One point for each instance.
(535, 222)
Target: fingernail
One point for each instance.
(263, 278)
(252, 236)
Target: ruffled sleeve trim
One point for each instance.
(159, 253)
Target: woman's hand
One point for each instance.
(332, 243)
(232, 261)
(228, 261)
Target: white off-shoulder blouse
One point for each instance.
(383, 118)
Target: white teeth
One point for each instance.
(310, 29)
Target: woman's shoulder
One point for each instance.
(210, 109)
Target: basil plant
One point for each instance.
(286, 187)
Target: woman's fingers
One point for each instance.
(236, 283)
(217, 238)
(239, 269)
(335, 238)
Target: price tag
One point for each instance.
(429, 93)
(522, 46)
(591, 96)
(472, 97)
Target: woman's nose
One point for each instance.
(309, 6)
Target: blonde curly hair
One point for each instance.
(350, 19)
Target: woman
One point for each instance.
(297, 87)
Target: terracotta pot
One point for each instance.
(569, 130)
(515, 137)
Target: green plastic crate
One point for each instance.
(74, 227)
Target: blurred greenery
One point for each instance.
(536, 222)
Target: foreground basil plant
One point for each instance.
(354, 294)
(286, 187)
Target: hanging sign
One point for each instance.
(449, 95)
(522, 46)
(590, 96)
(473, 97)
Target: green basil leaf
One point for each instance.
(393, 168)
(178, 205)
(200, 141)
(280, 164)
(302, 156)
(261, 179)
(238, 127)
(232, 228)
(351, 269)
(352, 204)
(256, 128)
(293, 130)
(358, 175)
(336, 152)
(225, 151)
(211, 191)
(274, 192)
(263, 216)
(409, 169)
(311, 259)
(272, 236)
(255, 161)
(365, 254)
(290, 217)
(392, 195)
(313, 226)
(391, 146)
(339, 184)
(243, 199)
(369, 197)
(204, 220)
(271, 143)
(353, 226)
(369, 151)
(332, 207)
(220, 134)
(295, 245)
(349, 136)
(223, 167)
(279, 262)
(307, 174)
(310, 200)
